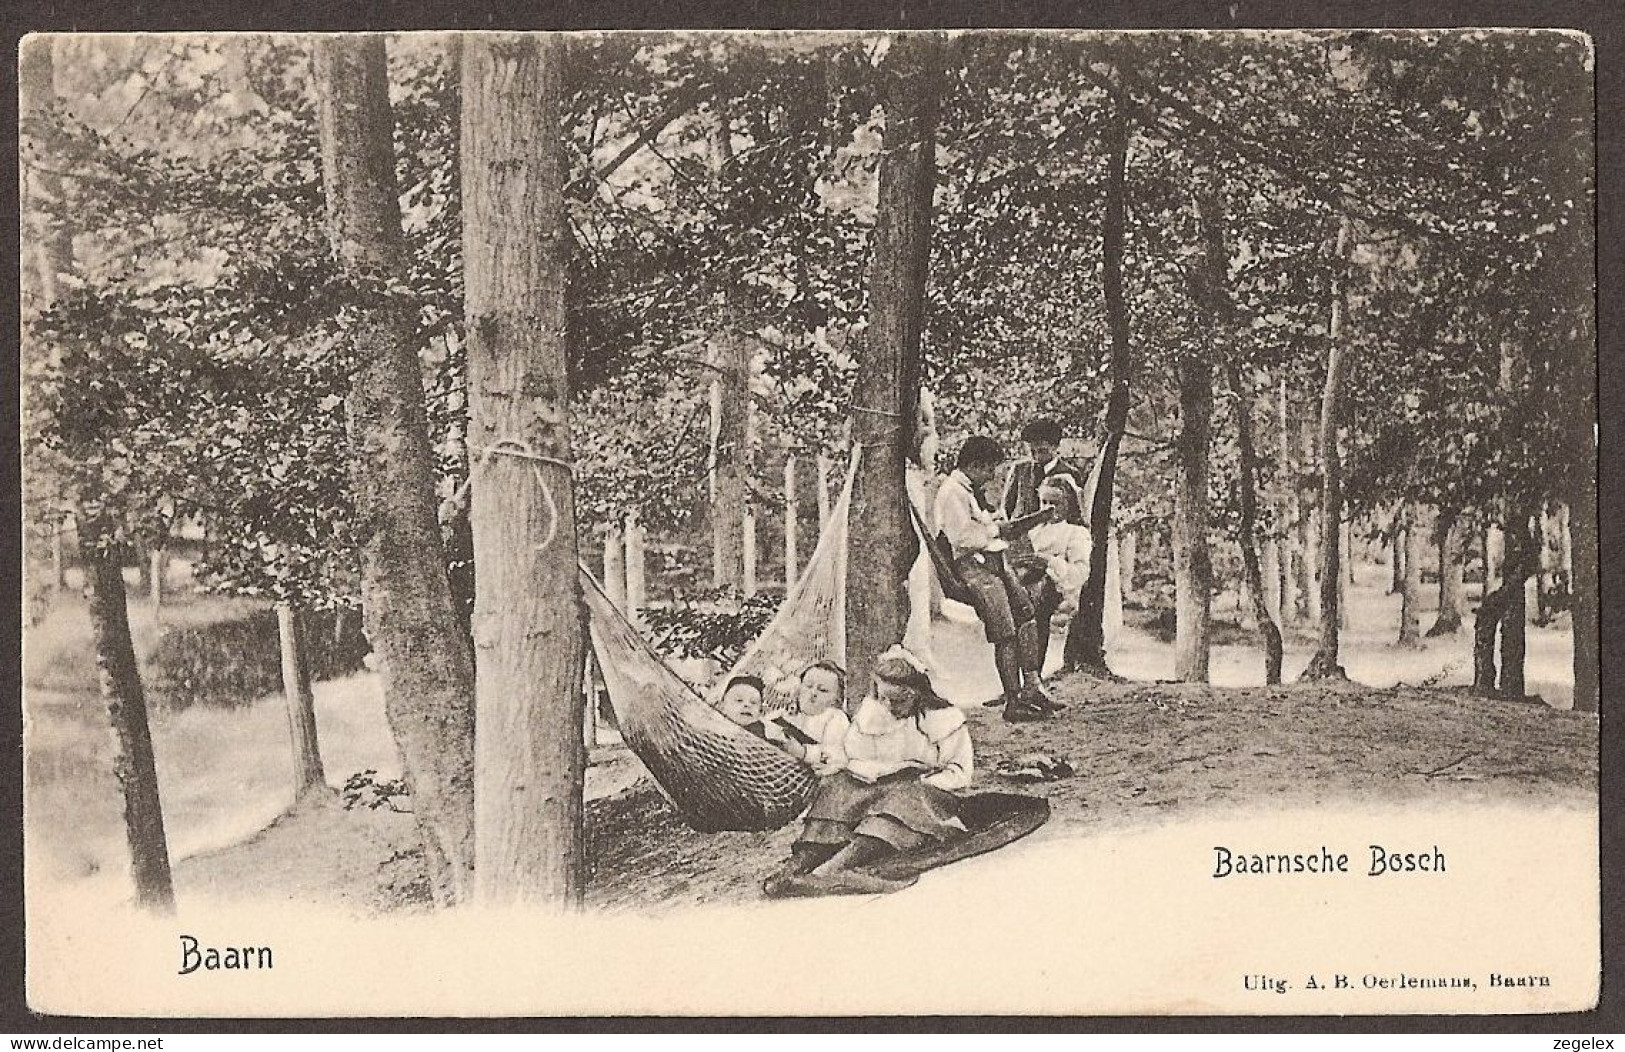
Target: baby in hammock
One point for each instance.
(814, 730)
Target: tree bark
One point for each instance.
(530, 763)
(636, 580)
(1324, 663)
(133, 763)
(1583, 581)
(821, 471)
(307, 756)
(1451, 587)
(426, 666)
(1397, 563)
(1086, 635)
(728, 501)
(157, 566)
(1504, 610)
(1269, 633)
(1128, 550)
(1410, 603)
(615, 566)
(792, 562)
(1288, 519)
(1311, 536)
(886, 393)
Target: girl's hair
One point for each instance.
(830, 666)
(747, 681)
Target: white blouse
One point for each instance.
(830, 728)
(878, 743)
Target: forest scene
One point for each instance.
(423, 435)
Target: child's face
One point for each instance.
(741, 703)
(820, 688)
(1042, 452)
(981, 474)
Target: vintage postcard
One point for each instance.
(810, 523)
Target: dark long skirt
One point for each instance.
(905, 814)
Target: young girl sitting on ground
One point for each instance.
(817, 715)
(908, 751)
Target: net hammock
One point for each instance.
(718, 775)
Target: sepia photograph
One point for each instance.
(810, 523)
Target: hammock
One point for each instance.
(718, 775)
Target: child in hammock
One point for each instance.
(742, 701)
(817, 715)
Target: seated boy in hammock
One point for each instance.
(980, 539)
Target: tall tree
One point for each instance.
(301, 700)
(1452, 590)
(886, 393)
(426, 667)
(1410, 603)
(1324, 664)
(1086, 635)
(1247, 486)
(528, 628)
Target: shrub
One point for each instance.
(232, 662)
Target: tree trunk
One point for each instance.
(157, 566)
(1311, 536)
(1410, 603)
(1522, 557)
(530, 763)
(728, 509)
(1193, 567)
(307, 756)
(1271, 570)
(1128, 551)
(424, 658)
(1397, 563)
(636, 565)
(615, 566)
(792, 563)
(1288, 519)
(133, 763)
(1269, 633)
(747, 515)
(886, 393)
(1451, 588)
(1086, 635)
(1324, 664)
(1583, 580)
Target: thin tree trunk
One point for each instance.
(1086, 635)
(747, 515)
(1269, 633)
(133, 763)
(1451, 588)
(1128, 550)
(1410, 603)
(1311, 537)
(1288, 521)
(1271, 570)
(530, 761)
(792, 562)
(1397, 563)
(886, 393)
(1583, 583)
(307, 756)
(615, 566)
(728, 509)
(636, 566)
(157, 564)
(426, 666)
(1324, 664)
(1522, 558)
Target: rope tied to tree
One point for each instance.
(520, 449)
